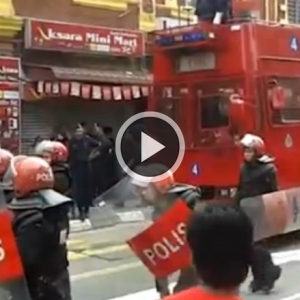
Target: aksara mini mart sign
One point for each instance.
(67, 37)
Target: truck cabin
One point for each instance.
(218, 82)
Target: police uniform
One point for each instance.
(41, 227)
(62, 178)
(191, 195)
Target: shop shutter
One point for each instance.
(36, 120)
(70, 112)
(40, 118)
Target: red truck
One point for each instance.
(218, 82)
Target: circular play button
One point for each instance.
(149, 138)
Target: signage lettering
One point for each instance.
(51, 34)
(165, 247)
(70, 37)
(44, 177)
(162, 247)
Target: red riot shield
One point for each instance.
(162, 247)
(12, 281)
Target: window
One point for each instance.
(168, 101)
(213, 104)
(214, 112)
(192, 62)
(284, 100)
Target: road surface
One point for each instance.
(105, 269)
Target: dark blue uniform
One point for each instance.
(79, 152)
(207, 9)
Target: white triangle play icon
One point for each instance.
(149, 147)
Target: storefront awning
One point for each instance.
(102, 76)
(46, 89)
(87, 75)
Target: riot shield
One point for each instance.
(273, 214)
(106, 212)
(12, 281)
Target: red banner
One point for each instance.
(162, 247)
(10, 263)
(10, 74)
(73, 37)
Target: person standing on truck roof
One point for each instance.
(213, 11)
(161, 195)
(221, 240)
(258, 176)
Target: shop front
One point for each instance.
(10, 89)
(78, 74)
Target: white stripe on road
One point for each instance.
(292, 297)
(279, 259)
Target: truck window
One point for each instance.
(284, 101)
(213, 111)
(169, 107)
(168, 102)
(213, 101)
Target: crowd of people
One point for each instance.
(90, 167)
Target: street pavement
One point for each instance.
(103, 268)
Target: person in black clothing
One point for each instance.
(60, 135)
(41, 227)
(132, 146)
(80, 147)
(217, 11)
(112, 174)
(258, 176)
(99, 160)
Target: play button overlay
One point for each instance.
(149, 147)
(149, 139)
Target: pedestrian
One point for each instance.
(80, 147)
(221, 241)
(41, 226)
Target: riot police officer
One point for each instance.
(258, 176)
(41, 226)
(56, 154)
(161, 195)
(5, 182)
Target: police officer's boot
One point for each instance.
(162, 287)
